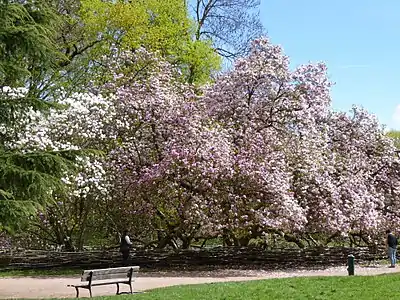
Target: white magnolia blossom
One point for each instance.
(78, 122)
(13, 93)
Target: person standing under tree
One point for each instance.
(391, 246)
(125, 247)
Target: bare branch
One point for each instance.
(229, 24)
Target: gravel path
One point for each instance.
(51, 287)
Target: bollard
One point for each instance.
(350, 264)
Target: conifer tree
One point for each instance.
(28, 179)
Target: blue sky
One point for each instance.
(359, 40)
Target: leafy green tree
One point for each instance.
(27, 49)
(395, 135)
(67, 53)
(159, 26)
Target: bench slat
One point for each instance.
(101, 282)
(109, 276)
(114, 270)
(97, 283)
(112, 273)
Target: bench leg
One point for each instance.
(130, 286)
(90, 292)
(117, 289)
(77, 292)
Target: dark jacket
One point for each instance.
(124, 244)
(392, 241)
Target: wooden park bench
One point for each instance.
(97, 277)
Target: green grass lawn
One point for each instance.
(326, 288)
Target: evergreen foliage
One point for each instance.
(27, 178)
(27, 46)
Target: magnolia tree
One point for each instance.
(308, 171)
(258, 151)
(343, 191)
(160, 165)
(271, 114)
(78, 122)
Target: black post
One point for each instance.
(350, 264)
